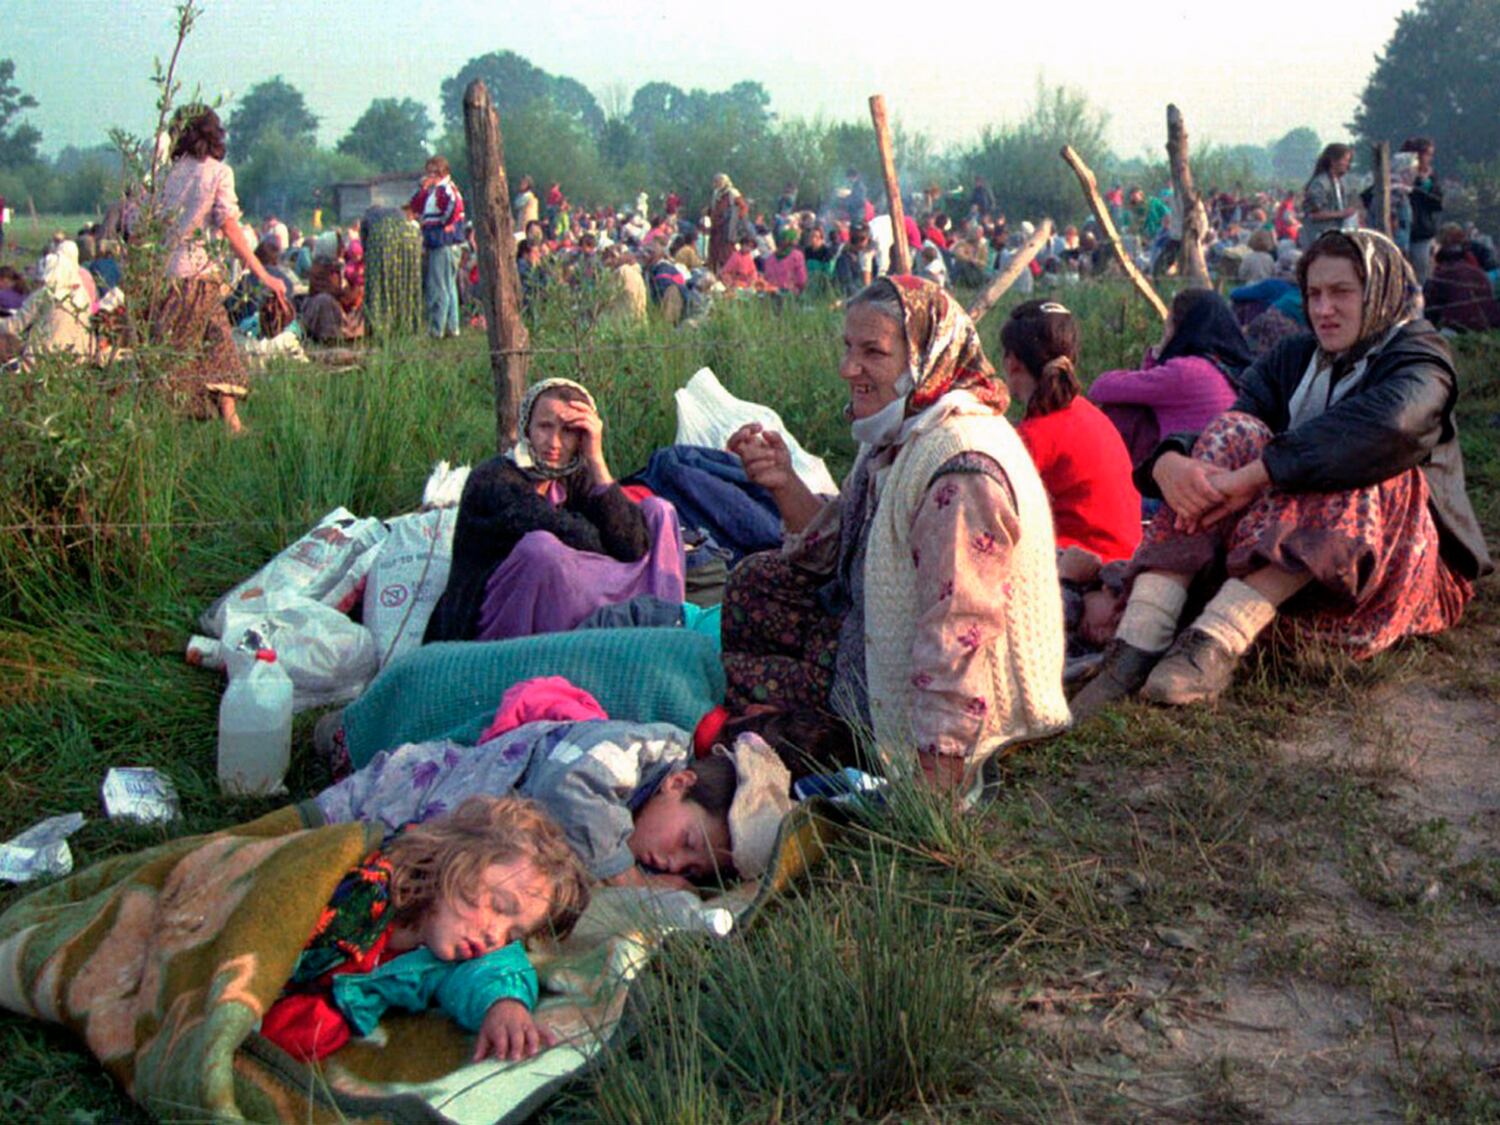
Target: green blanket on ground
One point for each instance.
(163, 961)
(451, 690)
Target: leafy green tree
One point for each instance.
(18, 142)
(1439, 76)
(1021, 161)
(274, 106)
(283, 176)
(390, 136)
(514, 83)
(88, 179)
(1293, 156)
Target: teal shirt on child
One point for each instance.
(416, 981)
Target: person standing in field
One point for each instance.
(525, 207)
(1426, 202)
(439, 208)
(197, 200)
(1324, 203)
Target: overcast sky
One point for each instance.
(1240, 72)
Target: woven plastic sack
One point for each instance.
(325, 565)
(409, 575)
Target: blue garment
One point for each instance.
(415, 981)
(1263, 292)
(440, 289)
(106, 273)
(1289, 304)
(710, 490)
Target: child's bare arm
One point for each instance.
(634, 877)
(510, 1033)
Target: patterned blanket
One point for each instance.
(163, 961)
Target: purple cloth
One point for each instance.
(1185, 393)
(544, 586)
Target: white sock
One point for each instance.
(1236, 615)
(1150, 619)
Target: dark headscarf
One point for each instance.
(1206, 327)
(1391, 292)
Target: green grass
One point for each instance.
(967, 969)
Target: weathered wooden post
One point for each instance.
(1382, 216)
(900, 251)
(1090, 187)
(1007, 277)
(499, 283)
(1194, 217)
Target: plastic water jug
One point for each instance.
(255, 727)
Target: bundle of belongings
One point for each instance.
(263, 971)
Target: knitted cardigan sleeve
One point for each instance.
(963, 534)
(616, 519)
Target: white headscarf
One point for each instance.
(62, 277)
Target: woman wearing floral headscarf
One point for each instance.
(922, 603)
(1333, 487)
(545, 536)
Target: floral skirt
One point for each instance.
(779, 643)
(192, 322)
(1373, 552)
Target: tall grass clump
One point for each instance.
(856, 994)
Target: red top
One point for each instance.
(1085, 468)
(308, 1025)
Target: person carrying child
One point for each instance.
(437, 916)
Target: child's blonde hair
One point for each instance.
(444, 858)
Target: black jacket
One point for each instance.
(499, 506)
(1400, 416)
(1426, 202)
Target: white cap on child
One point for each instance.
(762, 797)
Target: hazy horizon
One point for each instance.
(1308, 64)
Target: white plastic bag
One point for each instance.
(708, 415)
(328, 658)
(445, 487)
(409, 575)
(325, 565)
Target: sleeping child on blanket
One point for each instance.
(437, 917)
(635, 804)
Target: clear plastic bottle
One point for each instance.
(255, 727)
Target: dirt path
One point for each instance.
(1377, 992)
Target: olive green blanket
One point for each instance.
(163, 961)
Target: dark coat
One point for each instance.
(500, 505)
(1426, 202)
(1399, 417)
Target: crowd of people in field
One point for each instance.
(972, 584)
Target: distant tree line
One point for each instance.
(1438, 76)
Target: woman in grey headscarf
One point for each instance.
(545, 535)
(1333, 490)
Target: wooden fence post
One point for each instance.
(900, 251)
(1090, 187)
(1194, 217)
(1382, 216)
(499, 283)
(1007, 277)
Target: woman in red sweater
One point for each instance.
(1078, 452)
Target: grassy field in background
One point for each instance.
(1136, 872)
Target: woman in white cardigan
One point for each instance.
(922, 603)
